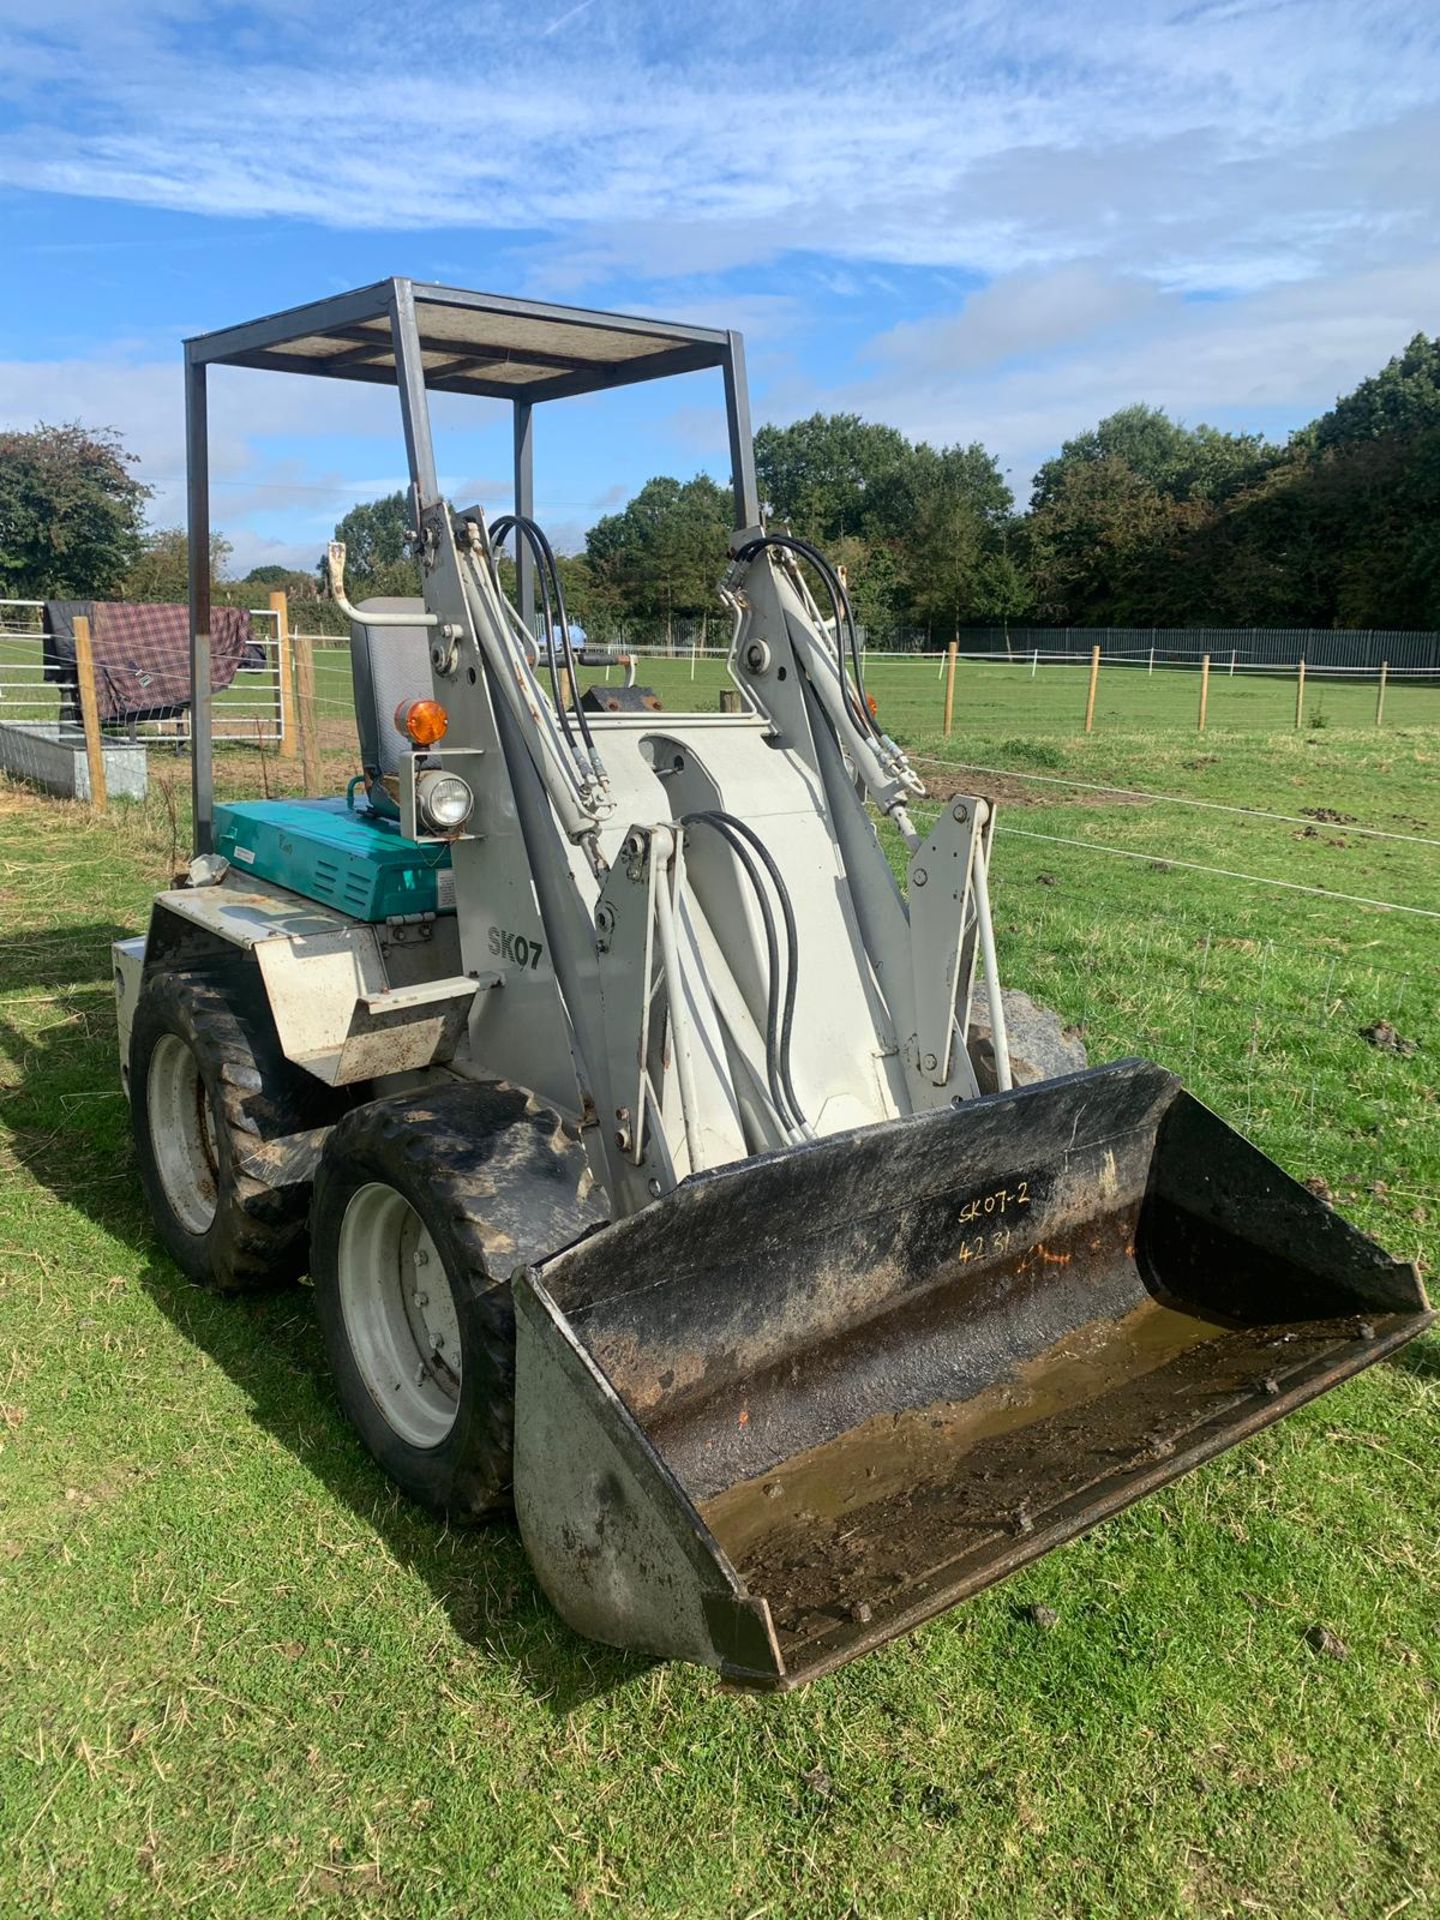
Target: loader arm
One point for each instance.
(697, 877)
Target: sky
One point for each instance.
(976, 222)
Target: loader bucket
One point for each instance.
(803, 1403)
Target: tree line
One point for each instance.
(1140, 521)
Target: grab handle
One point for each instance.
(335, 576)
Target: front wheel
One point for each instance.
(424, 1206)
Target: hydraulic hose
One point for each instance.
(779, 1025)
(499, 530)
(545, 554)
(772, 977)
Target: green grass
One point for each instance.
(239, 1677)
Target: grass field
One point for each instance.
(238, 1677)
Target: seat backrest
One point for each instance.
(387, 665)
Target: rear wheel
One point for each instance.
(424, 1207)
(209, 1090)
(182, 1133)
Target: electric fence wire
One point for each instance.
(1168, 860)
(1174, 799)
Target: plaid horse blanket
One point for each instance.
(142, 653)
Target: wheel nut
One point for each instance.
(422, 1259)
(422, 1299)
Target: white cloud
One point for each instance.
(1209, 138)
(1282, 355)
(1098, 165)
(759, 316)
(254, 486)
(1017, 316)
(250, 549)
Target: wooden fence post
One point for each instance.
(1204, 689)
(90, 713)
(307, 720)
(1300, 695)
(284, 683)
(1380, 697)
(1094, 684)
(950, 653)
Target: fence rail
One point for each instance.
(1346, 647)
(1355, 647)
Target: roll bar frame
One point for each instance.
(423, 338)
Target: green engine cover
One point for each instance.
(347, 858)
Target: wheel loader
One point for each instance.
(664, 1168)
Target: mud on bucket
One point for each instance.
(800, 1405)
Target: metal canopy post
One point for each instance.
(197, 471)
(525, 507)
(410, 378)
(742, 447)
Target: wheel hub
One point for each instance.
(183, 1134)
(400, 1314)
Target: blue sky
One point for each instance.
(984, 222)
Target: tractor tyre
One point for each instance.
(1042, 1047)
(209, 1086)
(425, 1205)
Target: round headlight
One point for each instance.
(444, 800)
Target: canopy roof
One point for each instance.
(479, 343)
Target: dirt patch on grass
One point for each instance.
(1014, 790)
(1383, 1037)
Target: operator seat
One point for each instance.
(387, 665)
